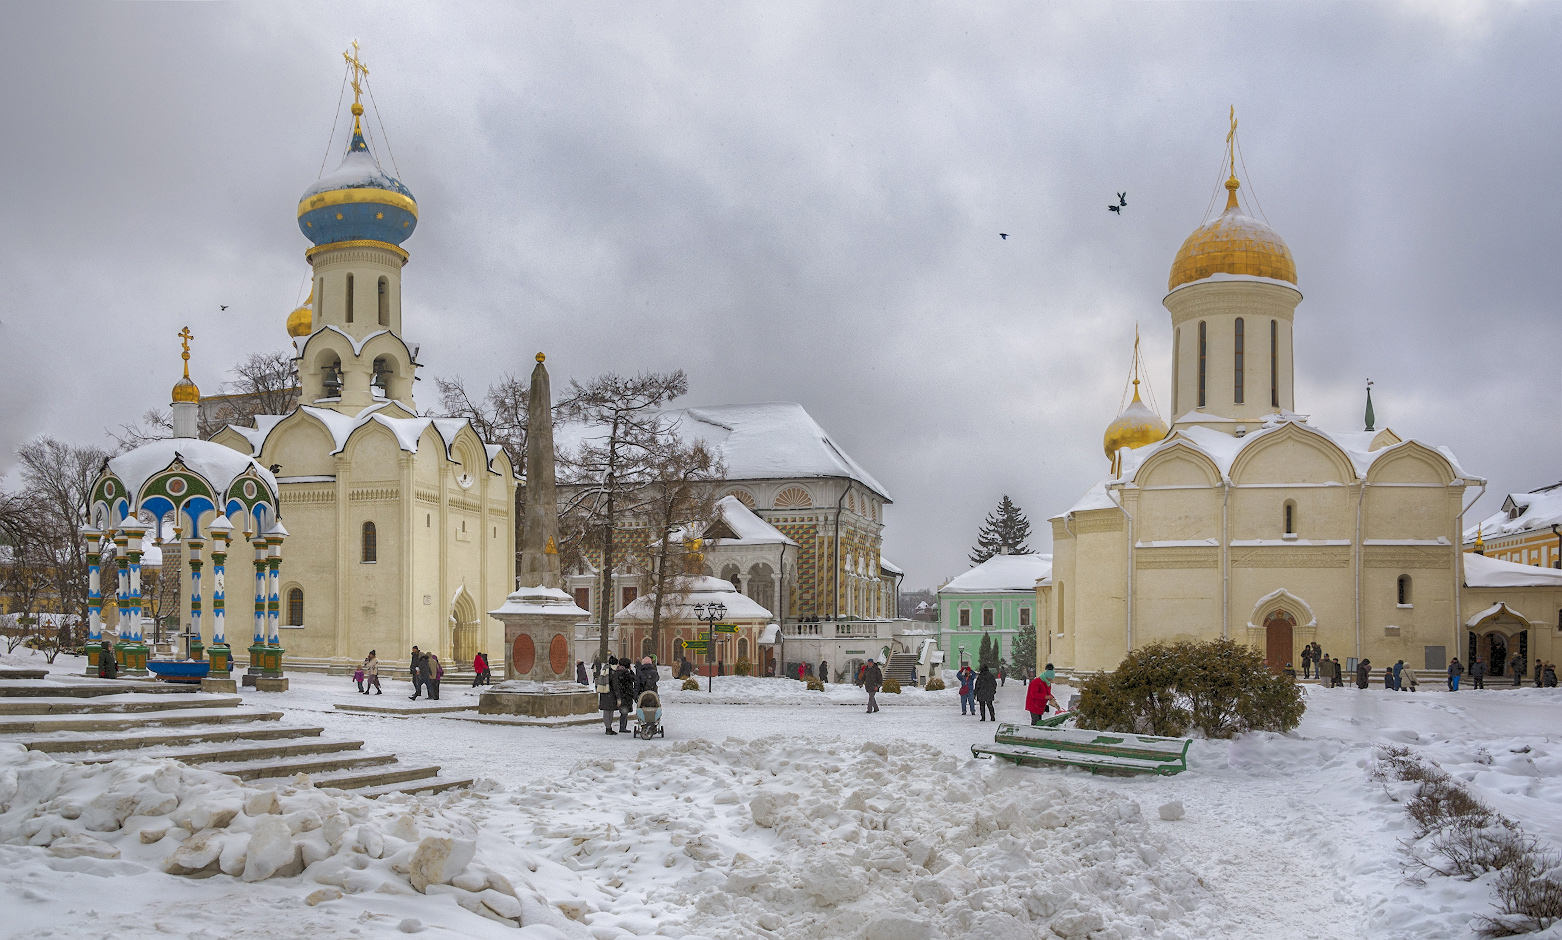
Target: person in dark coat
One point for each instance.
(1326, 671)
(1516, 666)
(417, 674)
(435, 672)
(1455, 670)
(873, 680)
(108, 666)
(580, 672)
(1399, 670)
(607, 698)
(1339, 673)
(1550, 673)
(1363, 673)
(646, 677)
(986, 690)
(624, 688)
(1307, 662)
(1478, 673)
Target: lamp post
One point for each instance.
(710, 614)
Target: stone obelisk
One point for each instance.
(540, 538)
(539, 618)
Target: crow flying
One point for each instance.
(1122, 200)
(1004, 235)
(224, 306)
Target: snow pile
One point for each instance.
(755, 690)
(135, 817)
(777, 838)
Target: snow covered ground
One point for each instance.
(795, 815)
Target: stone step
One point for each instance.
(397, 774)
(79, 742)
(286, 767)
(77, 687)
(104, 705)
(434, 784)
(244, 750)
(11, 672)
(40, 724)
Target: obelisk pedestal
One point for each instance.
(539, 629)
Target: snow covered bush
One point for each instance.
(690, 685)
(1220, 689)
(934, 684)
(743, 668)
(1529, 895)
(814, 685)
(891, 686)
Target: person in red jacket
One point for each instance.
(1037, 697)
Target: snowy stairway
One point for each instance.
(91, 721)
(902, 667)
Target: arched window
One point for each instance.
(1404, 590)
(1274, 364)
(295, 607)
(987, 616)
(371, 549)
(646, 649)
(1290, 517)
(384, 302)
(742, 648)
(1203, 351)
(1236, 381)
(349, 298)
(965, 616)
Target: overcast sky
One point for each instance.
(803, 202)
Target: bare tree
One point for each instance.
(679, 505)
(57, 481)
(156, 424)
(265, 383)
(24, 566)
(626, 433)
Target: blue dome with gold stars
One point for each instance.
(357, 202)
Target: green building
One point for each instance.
(997, 597)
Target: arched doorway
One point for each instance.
(463, 628)
(1279, 629)
(1496, 653)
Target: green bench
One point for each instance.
(1096, 751)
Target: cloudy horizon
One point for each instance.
(803, 203)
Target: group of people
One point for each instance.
(619, 688)
(977, 690)
(1545, 673)
(426, 673)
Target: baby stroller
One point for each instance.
(648, 717)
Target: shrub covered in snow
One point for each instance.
(743, 668)
(690, 685)
(934, 684)
(891, 686)
(1219, 688)
(814, 685)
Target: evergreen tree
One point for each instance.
(1024, 650)
(987, 655)
(1002, 533)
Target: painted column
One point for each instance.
(220, 654)
(121, 593)
(257, 649)
(136, 650)
(193, 549)
(273, 661)
(94, 539)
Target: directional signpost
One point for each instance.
(711, 614)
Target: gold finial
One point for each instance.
(541, 357)
(184, 338)
(359, 71)
(1232, 185)
(1480, 544)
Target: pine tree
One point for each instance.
(987, 655)
(1002, 533)
(1024, 650)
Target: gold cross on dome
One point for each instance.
(359, 70)
(184, 339)
(1231, 140)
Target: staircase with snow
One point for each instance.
(92, 721)
(902, 667)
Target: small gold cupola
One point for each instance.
(1137, 426)
(186, 406)
(301, 321)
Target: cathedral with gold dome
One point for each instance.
(402, 526)
(1243, 520)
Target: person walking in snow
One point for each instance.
(824, 671)
(108, 666)
(1339, 683)
(1516, 667)
(1455, 670)
(1307, 662)
(1399, 671)
(436, 672)
(1003, 672)
(624, 688)
(580, 672)
(985, 688)
(873, 680)
(1038, 696)
(1388, 678)
(1325, 671)
(646, 677)
(1551, 675)
(1363, 673)
(1478, 673)
(417, 675)
(607, 699)
(371, 674)
(479, 670)
(967, 694)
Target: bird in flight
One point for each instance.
(1122, 201)
(223, 306)
(1004, 235)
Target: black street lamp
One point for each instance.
(711, 614)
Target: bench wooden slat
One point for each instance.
(1101, 752)
(1096, 763)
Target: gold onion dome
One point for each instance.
(1233, 243)
(1135, 427)
(185, 390)
(301, 321)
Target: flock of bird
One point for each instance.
(1116, 208)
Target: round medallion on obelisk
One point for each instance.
(523, 655)
(558, 654)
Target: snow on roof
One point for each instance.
(1002, 573)
(1095, 498)
(891, 567)
(407, 431)
(218, 464)
(1494, 610)
(749, 528)
(1223, 449)
(1538, 509)
(359, 170)
(763, 441)
(1482, 571)
(701, 590)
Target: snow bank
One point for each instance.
(754, 690)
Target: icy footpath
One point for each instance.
(148, 820)
(775, 839)
(753, 690)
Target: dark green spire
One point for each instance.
(1371, 420)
